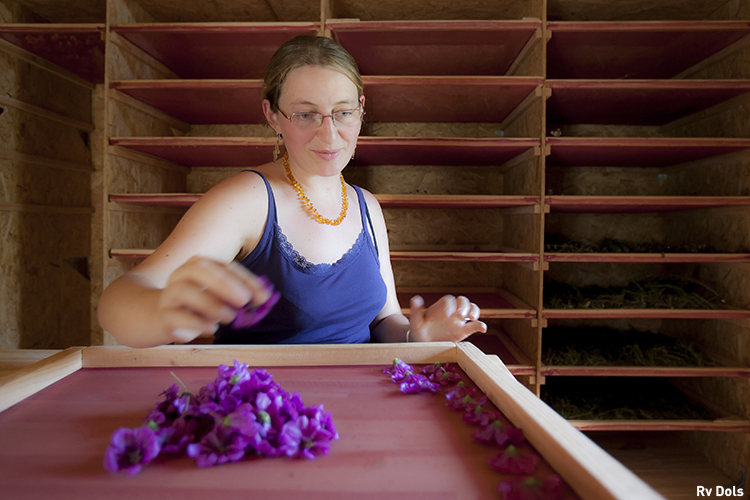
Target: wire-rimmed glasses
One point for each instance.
(309, 120)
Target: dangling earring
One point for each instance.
(276, 150)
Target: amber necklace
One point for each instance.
(308, 204)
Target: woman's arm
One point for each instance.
(190, 283)
(449, 319)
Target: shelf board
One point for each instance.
(645, 371)
(636, 151)
(645, 313)
(445, 151)
(214, 50)
(464, 256)
(386, 200)
(635, 50)
(388, 98)
(494, 302)
(641, 204)
(661, 258)
(78, 48)
(636, 102)
(140, 253)
(242, 152)
(723, 425)
(200, 102)
(435, 47)
(480, 99)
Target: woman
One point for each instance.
(320, 242)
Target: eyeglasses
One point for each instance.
(309, 120)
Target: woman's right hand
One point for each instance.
(202, 293)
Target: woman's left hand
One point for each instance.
(449, 319)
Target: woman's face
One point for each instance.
(325, 150)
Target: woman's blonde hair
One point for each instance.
(307, 50)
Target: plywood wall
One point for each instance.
(45, 210)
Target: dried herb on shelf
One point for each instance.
(650, 293)
(610, 347)
(601, 398)
(557, 243)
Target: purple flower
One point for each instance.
(414, 382)
(442, 374)
(250, 315)
(459, 391)
(305, 438)
(399, 370)
(480, 416)
(512, 460)
(130, 449)
(500, 434)
(323, 417)
(233, 375)
(467, 403)
(531, 488)
(189, 428)
(221, 445)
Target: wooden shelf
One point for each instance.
(635, 50)
(78, 48)
(640, 204)
(636, 152)
(494, 303)
(444, 256)
(214, 50)
(388, 98)
(645, 371)
(436, 47)
(200, 102)
(253, 151)
(643, 258)
(645, 313)
(454, 99)
(738, 425)
(636, 102)
(386, 200)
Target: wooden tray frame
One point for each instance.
(588, 469)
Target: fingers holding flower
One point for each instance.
(203, 293)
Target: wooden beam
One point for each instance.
(520, 159)
(32, 378)
(50, 115)
(662, 425)
(518, 111)
(270, 355)
(44, 162)
(525, 51)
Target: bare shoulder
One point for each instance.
(372, 203)
(241, 189)
(376, 213)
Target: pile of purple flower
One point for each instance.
(241, 413)
(491, 429)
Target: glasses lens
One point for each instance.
(347, 117)
(306, 120)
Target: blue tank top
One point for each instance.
(320, 303)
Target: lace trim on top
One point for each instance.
(302, 264)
